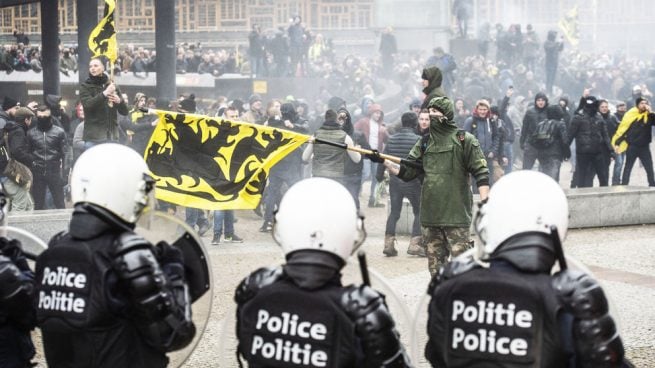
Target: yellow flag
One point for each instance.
(214, 164)
(569, 26)
(102, 40)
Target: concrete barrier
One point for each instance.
(43, 224)
(588, 207)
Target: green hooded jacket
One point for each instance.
(434, 76)
(448, 157)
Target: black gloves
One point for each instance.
(374, 156)
(13, 250)
(170, 259)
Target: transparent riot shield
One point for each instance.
(227, 344)
(158, 226)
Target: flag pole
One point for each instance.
(312, 139)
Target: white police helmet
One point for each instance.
(319, 214)
(113, 177)
(521, 202)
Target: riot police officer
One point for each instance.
(106, 297)
(501, 307)
(300, 314)
(17, 316)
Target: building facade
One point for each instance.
(206, 15)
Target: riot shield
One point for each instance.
(158, 226)
(227, 343)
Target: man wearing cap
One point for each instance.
(18, 149)
(633, 136)
(448, 158)
(255, 115)
(9, 107)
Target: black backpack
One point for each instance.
(543, 135)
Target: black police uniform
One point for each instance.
(17, 316)
(108, 298)
(514, 314)
(299, 315)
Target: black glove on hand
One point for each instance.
(170, 258)
(374, 157)
(13, 250)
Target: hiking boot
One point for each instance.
(233, 239)
(416, 247)
(390, 246)
(216, 239)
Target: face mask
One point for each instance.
(438, 119)
(44, 122)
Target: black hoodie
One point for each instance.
(532, 117)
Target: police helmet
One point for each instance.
(319, 214)
(519, 203)
(113, 177)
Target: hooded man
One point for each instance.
(552, 48)
(448, 157)
(592, 142)
(432, 79)
(530, 121)
(9, 107)
(485, 129)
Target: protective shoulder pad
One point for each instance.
(136, 265)
(15, 289)
(458, 266)
(375, 327)
(597, 341)
(251, 285)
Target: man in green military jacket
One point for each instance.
(449, 156)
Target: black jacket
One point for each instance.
(399, 145)
(19, 146)
(47, 146)
(611, 123)
(560, 148)
(530, 120)
(590, 133)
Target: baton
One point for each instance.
(559, 251)
(363, 268)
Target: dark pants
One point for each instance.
(529, 157)
(398, 191)
(643, 153)
(195, 216)
(354, 185)
(50, 179)
(16, 348)
(274, 191)
(551, 73)
(550, 166)
(590, 164)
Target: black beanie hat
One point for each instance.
(8, 103)
(189, 104)
(637, 101)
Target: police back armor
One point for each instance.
(478, 316)
(282, 325)
(100, 300)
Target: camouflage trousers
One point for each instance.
(442, 242)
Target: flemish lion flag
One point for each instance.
(214, 164)
(569, 26)
(102, 40)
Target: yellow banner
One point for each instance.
(214, 164)
(102, 40)
(569, 26)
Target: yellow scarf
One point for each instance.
(631, 116)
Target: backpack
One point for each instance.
(543, 135)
